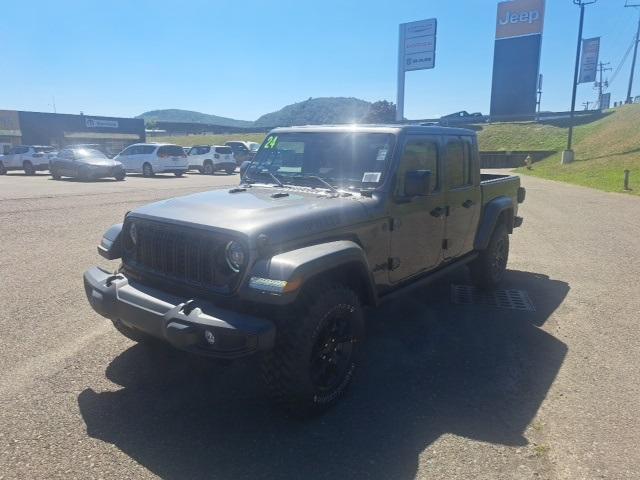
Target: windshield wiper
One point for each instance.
(249, 179)
(319, 179)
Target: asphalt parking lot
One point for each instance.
(448, 390)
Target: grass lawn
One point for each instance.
(604, 149)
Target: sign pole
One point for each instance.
(635, 55)
(401, 77)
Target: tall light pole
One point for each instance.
(567, 155)
(630, 4)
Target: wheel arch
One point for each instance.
(497, 211)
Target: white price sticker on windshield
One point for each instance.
(382, 155)
(371, 177)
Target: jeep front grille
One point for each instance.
(184, 255)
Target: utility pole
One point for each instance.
(632, 4)
(567, 155)
(602, 84)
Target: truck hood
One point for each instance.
(283, 214)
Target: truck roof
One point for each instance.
(391, 128)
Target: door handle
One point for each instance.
(468, 204)
(437, 212)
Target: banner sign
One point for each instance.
(519, 17)
(418, 45)
(100, 123)
(589, 60)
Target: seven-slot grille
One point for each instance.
(183, 254)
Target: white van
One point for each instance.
(152, 158)
(211, 158)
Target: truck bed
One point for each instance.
(495, 185)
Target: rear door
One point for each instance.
(126, 158)
(462, 177)
(418, 223)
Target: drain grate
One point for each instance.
(510, 299)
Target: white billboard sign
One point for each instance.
(589, 60)
(418, 44)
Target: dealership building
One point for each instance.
(60, 130)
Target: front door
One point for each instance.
(463, 195)
(418, 223)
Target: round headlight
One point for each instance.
(235, 255)
(133, 234)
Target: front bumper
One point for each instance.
(172, 319)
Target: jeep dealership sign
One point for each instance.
(516, 57)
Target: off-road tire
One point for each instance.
(147, 170)
(294, 370)
(487, 271)
(207, 168)
(29, 169)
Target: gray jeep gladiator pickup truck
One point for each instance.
(326, 220)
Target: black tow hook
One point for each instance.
(188, 307)
(110, 279)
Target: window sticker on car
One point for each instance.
(371, 177)
(382, 155)
(271, 142)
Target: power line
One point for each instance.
(622, 62)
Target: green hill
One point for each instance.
(324, 110)
(188, 116)
(604, 148)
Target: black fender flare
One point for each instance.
(297, 267)
(111, 244)
(490, 215)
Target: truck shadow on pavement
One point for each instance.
(432, 368)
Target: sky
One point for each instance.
(243, 58)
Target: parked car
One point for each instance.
(85, 164)
(186, 150)
(329, 220)
(208, 159)
(152, 158)
(461, 117)
(241, 151)
(94, 146)
(28, 158)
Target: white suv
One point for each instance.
(211, 158)
(27, 158)
(152, 158)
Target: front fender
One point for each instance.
(491, 213)
(289, 271)
(111, 244)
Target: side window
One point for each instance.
(146, 149)
(419, 154)
(458, 164)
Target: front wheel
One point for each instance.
(3, 169)
(488, 270)
(317, 350)
(178, 174)
(55, 175)
(230, 171)
(207, 168)
(120, 176)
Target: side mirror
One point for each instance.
(417, 183)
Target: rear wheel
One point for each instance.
(207, 168)
(3, 169)
(317, 350)
(55, 175)
(29, 169)
(178, 174)
(147, 170)
(230, 171)
(488, 270)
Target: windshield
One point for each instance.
(342, 159)
(89, 152)
(44, 149)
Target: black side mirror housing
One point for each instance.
(417, 183)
